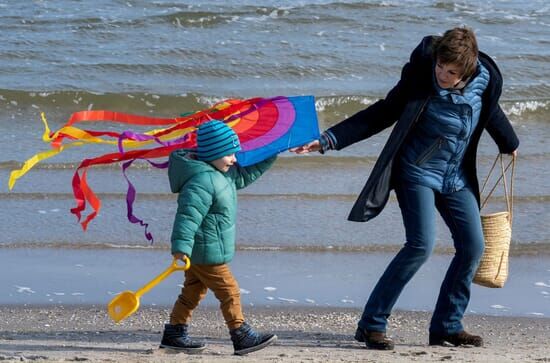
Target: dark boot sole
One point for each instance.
(183, 350)
(360, 337)
(270, 341)
(442, 343)
(382, 346)
(446, 342)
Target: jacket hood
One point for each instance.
(182, 166)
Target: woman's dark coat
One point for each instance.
(404, 103)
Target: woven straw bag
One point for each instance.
(497, 230)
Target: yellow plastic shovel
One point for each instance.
(127, 302)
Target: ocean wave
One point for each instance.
(540, 248)
(151, 196)
(331, 107)
(332, 161)
(539, 109)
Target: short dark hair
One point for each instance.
(457, 46)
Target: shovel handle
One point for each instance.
(185, 267)
(173, 267)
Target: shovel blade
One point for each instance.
(123, 305)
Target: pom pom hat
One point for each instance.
(215, 140)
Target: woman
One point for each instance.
(447, 95)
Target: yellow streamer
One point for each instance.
(84, 138)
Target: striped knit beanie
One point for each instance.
(216, 140)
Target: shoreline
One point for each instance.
(340, 280)
(85, 333)
(516, 249)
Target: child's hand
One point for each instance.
(179, 255)
(315, 145)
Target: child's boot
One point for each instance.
(176, 337)
(246, 340)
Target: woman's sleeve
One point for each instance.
(502, 132)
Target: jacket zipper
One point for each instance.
(419, 112)
(429, 153)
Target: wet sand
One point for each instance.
(85, 333)
(50, 276)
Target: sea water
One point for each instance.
(163, 58)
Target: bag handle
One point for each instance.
(509, 198)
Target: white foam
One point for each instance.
(59, 293)
(245, 292)
(496, 306)
(519, 108)
(347, 301)
(24, 289)
(271, 298)
(292, 301)
(541, 284)
(322, 103)
(77, 293)
(311, 301)
(536, 314)
(270, 288)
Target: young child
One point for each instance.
(204, 230)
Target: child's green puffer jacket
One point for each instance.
(204, 227)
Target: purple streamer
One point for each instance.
(131, 196)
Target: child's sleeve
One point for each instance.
(244, 176)
(194, 201)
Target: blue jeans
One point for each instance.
(460, 212)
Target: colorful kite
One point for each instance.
(265, 126)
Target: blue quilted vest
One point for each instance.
(432, 154)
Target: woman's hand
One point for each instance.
(315, 145)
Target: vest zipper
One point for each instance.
(429, 153)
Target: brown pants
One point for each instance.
(219, 279)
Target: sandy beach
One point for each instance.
(85, 333)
